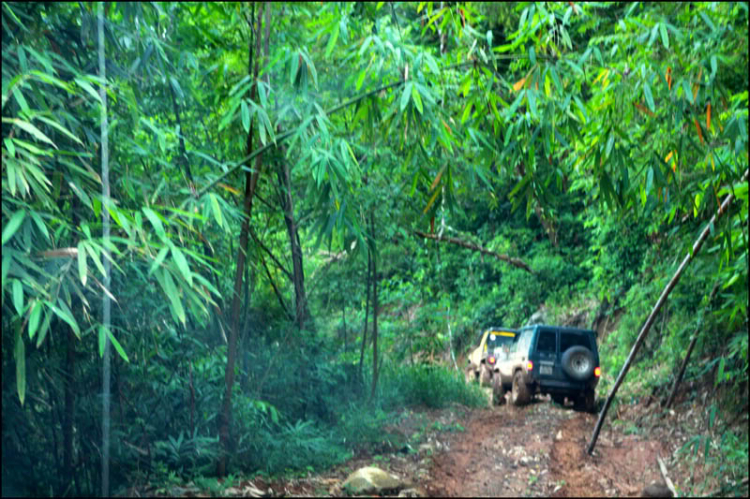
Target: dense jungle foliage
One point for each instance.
(316, 207)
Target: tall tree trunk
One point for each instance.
(69, 409)
(374, 308)
(367, 313)
(302, 311)
(251, 182)
(106, 304)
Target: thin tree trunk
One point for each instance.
(251, 182)
(682, 371)
(69, 409)
(343, 314)
(660, 302)
(374, 308)
(302, 311)
(367, 313)
(106, 304)
(678, 380)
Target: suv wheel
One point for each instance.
(497, 389)
(520, 392)
(578, 363)
(586, 401)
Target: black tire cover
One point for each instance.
(569, 357)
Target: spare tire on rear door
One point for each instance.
(578, 362)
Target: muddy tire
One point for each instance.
(485, 376)
(498, 390)
(520, 392)
(578, 363)
(586, 401)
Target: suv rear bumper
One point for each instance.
(557, 386)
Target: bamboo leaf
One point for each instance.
(43, 330)
(294, 67)
(332, 41)
(59, 127)
(664, 35)
(20, 357)
(18, 296)
(173, 296)
(467, 112)
(117, 345)
(95, 258)
(31, 129)
(182, 264)
(416, 97)
(34, 315)
(13, 224)
(177, 88)
(245, 116)
(698, 129)
(67, 317)
(11, 150)
(649, 97)
(405, 96)
(431, 201)
(361, 78)
(155, 222)
(88, 88)
(159, 258)
(216, 209)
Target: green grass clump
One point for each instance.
(433, 386)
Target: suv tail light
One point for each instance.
(529, 366)
(597, 371)
(491, 359)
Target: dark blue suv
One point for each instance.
(560, 361)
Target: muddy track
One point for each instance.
(537, 450)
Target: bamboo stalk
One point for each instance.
(647, 326)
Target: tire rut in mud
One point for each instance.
(503, 452)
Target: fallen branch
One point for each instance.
(505, 258)
(655, 311)
(663, 469)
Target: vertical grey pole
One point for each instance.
(105, 230)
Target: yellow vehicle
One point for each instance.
(482, 361)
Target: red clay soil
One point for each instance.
(538, 450)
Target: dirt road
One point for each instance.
(537, 450)
(505, 451)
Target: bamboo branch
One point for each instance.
(504, 258)
(660, 302)
(275, 289)
(268, 251)
(288, 134)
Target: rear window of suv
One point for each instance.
(568, 340)
(546, 342)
